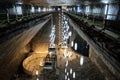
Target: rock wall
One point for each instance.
(101, 65)
(14, 50)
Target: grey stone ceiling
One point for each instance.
(57, 2)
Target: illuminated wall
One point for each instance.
(16, 10)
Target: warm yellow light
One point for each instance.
(36, 60)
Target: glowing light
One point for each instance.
(65, 70)
(68, 78)
(19, 10)
(44, 9)
(37, 79)
(106, 7)
(75, 46)
(65, 31)
(70, 33)
(78, 9)
(32, 9)
(106, 1)
(66, 63)
(87, 10)
(58, 9)
(50, 9)
(112, 9)
(67, 54)
(36, 71)
(39, 9)
(81, 60)
(65, 77)
(16, 10)
(70, 71)
(67, 74)
(52, 37)
(96, 10)
(66, 21)
(72, 44)
(73, 74)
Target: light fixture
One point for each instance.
(65, 77)
(71, 71)
(65, 31)
(19, 10)
(74, 75)
(37, 79)
(81, 60)
(39, 9)
(72, 44)
(79, 9)
(65, 70)
(44, 9)
(70, 33)
(52, 37)
(66, 63)
(32, 9)
(67, 74)
(68, 78)
(106, 1)
(37, 72)
(106, 8)
(75, 46)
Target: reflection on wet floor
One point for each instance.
(85, 70)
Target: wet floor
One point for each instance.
(83, 71)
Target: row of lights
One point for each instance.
(65, 31)
(75, 47)
(17, 9)
(65, 36)
(67, 54)
(52, 37)
(68, 73)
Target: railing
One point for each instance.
(100, 37)
(11, 30)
